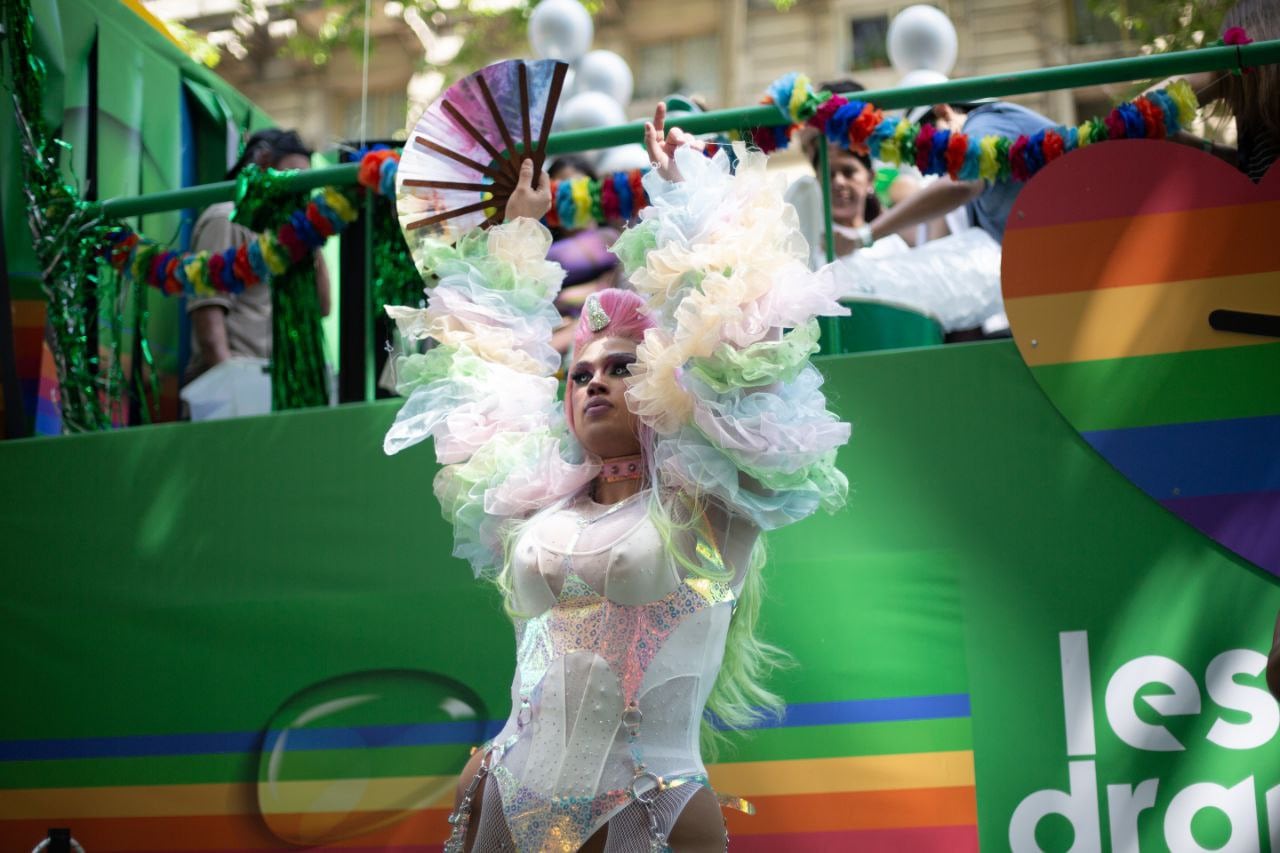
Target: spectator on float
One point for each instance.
(1252, 96)
(854, 179)
(987, 203)
(228, 325)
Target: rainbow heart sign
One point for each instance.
(1142, 283)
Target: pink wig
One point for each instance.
(627, 319)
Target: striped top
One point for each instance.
(1259, 147)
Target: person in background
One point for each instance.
(1252, 96)
(854, 201)
(988, 203)
(584, 253)
(229, 325)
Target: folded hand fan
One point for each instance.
(463, 157)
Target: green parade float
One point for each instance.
(250, 634)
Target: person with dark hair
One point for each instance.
(853, 177)
(228, 325)
(570, 166)
(1253, 98)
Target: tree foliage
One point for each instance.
(1158, 26)
(481, 30)
(485, 28)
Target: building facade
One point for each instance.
(724, 51)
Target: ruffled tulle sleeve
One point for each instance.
(485, 391)
(726, 381)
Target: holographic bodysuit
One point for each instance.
(617, 647)
(617, 651)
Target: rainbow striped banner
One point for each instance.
(1113, 261)
(826, 777)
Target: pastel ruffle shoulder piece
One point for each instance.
(725, 381)
(485, 391)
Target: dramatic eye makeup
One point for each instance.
(615, 364)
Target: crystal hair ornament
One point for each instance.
(597, 319)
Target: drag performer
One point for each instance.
(623, 526)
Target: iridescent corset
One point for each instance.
(617, 651)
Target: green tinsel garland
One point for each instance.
(396, 280)
(298, 375)
(66, 234)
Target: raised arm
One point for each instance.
(934, 201)
(485, 390)
(736, 406)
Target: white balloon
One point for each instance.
(624, 158)
(560, 29)
(590, 109)
(567, 91)
(920, 77)
(922, 37)
(605, 71)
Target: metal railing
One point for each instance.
(355, 353)
(952, 91)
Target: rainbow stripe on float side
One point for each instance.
(868, 775)
(1113, 261)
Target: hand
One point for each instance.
(846, 240)
(662, 150)
(525, 199)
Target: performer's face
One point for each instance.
(597, 384)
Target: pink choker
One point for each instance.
(622, 468)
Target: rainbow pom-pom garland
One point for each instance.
(328, 212)
(618, 197)
(860, 126)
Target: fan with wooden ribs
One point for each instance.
(463, 156)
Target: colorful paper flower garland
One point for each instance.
(578, 203)
(862, 127)
(618, 197)
(615, 199)
(233, 270)
(582, 202)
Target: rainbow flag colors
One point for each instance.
(820, 779)
(208, 597)
(1113, 262)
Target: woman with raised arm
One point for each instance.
(623, 525)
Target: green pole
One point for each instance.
(832, 324)
(207, 194)
(713, 122)
(370, 381)
(954, 91)
(972, 88)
